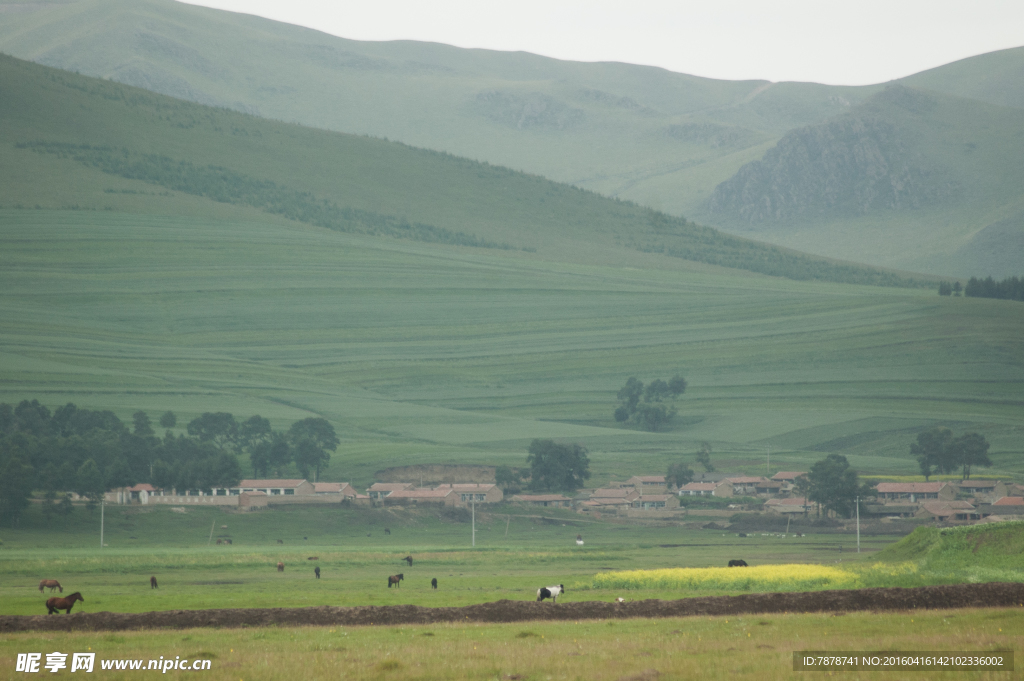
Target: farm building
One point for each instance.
(790, 506)
(944, 511)
(704, 489)
(647, 483)
(445, 497)
(915, 492)
(983, 490)
(469, 492)
(379, 490)
(543, 500)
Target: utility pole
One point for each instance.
(858, 524)
(768, 466)
(473, 505)
(102, 506)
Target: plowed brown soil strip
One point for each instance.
(926, 597)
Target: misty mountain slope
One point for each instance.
(996, 78)
(910, 178)
(642, 133)
(72, 142)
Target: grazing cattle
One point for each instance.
(313, 558)
(579, 540)
(738, 563)
(52, 583)
(408, 559)
(280, 541)
(433, 583)
(227, 541)
(316, 571)
(152, 583)
(55, 604)
(551, 592)
(219, 542)
(280, 567)
(395, 579)
(620, 600)
(387, 531)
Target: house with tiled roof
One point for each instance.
(746, 485)
(946, 511)
(380, 490)
(543, 500)
(787, 480)
(789, 506)
(983, 490)
(344, 489)
(270, 487)
(704, 489)
(914, 492)
(655, 501)
(620, 493)
(446, 497)
(472, 492)
(644, 483)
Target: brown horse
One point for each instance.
(52, 583)
(152, 582)
(280, 567)
(55, 604)
(395, 579)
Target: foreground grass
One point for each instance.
(747, 647)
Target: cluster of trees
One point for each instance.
(1011, 288)
(948, 289)
(648, 406)
(554, 467)
(938, 451)
(88, 452)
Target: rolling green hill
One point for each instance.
(662, 139)
(161, 270)
(641, 133)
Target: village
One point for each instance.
(641, 496)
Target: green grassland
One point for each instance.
(420, 354)
(125, 294)
(754, 647)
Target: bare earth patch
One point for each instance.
(927, 597)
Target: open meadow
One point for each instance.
(193, 576)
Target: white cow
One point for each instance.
(551, 592)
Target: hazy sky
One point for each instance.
(841, 43)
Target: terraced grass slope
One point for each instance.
(130, 288)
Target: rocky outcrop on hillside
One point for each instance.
(851, 165)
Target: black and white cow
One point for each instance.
(552, 592)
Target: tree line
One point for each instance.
(1011, 288)
(88, 452)
(649, 406)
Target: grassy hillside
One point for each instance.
(642, 133)
(909, 178)
(108, 142)
(662, 139)
(419, 354)
(982, 554)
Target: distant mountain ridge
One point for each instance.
(674, 142)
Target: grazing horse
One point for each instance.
(280, 541)
(579, 540)
(55, 604)
(280, 567)
(738, 563)
(316, 571)
(152, 583)
(551, 592)
(52, 583)
(395, 579)
(387, 530)
(433, 583)
(408, 559)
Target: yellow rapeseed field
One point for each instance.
(759, 578)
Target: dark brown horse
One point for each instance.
(395, 579)
(55, 604)
(52, 583)
(152, 582)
